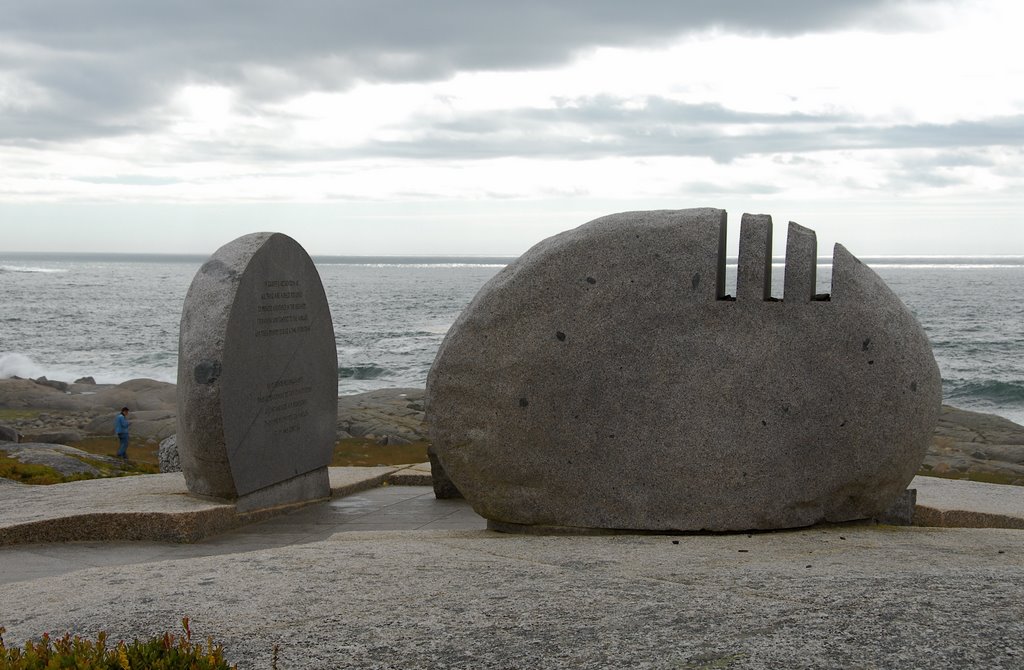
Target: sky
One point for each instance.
(477, 127)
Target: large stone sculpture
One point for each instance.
(604, 381)
(257, 376)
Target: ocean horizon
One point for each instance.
(985, 260)
(114, 316)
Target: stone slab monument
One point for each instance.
(604, 381)
(257, 376)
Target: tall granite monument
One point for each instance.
(257, 382)
(605, 381)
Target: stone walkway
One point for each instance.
(385, 508)
(152, 507)
(389, 577)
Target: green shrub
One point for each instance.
(29, 473)
(166, 652)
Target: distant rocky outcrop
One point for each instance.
(387, 416)
(44, 394)
(51, 415)
(60, 386)
(58, 436)
(155, 424)
(974, 445)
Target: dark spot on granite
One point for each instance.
(218, 267)
(207, 372)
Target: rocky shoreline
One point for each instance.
(44, 413)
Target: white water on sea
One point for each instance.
(116, 317)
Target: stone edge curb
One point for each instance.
(189, 526)
(954, 518)
(194, 525)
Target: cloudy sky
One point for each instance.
(473, 127)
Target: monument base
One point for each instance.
(308, 487)
(548, 529)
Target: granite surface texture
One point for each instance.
(398, 579)
(841, 597)
(155, 507)
(257, 382)
(604, 380)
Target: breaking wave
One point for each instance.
(25, 268)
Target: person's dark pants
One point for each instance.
(123, 451)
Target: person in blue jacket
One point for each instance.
(121, 424)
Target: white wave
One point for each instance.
(26, 268)
(350, 351)
(18, 365)
(14, 364)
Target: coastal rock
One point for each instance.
(86, 380)
(60, 386)
(975, 445)
(168, 455)
(145, 424)
(65, 460)
(67, 436)
(138, 394)
(605, 381)
(8, 434)
(395, 414)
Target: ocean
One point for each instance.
(115, 317)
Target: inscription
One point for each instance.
(281, 309)
(284, 404)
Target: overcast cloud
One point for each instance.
(546, 111)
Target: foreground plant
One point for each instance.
(166, 652)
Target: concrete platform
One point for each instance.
(837, 597)
(158, 507)
(389, 577)
(949, 503)
(384, 508)
(152, 507)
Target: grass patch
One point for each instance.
(139, 451)
(10, 414)
(36, 474)
(30, 473)
(123, 468)
(359, 451)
